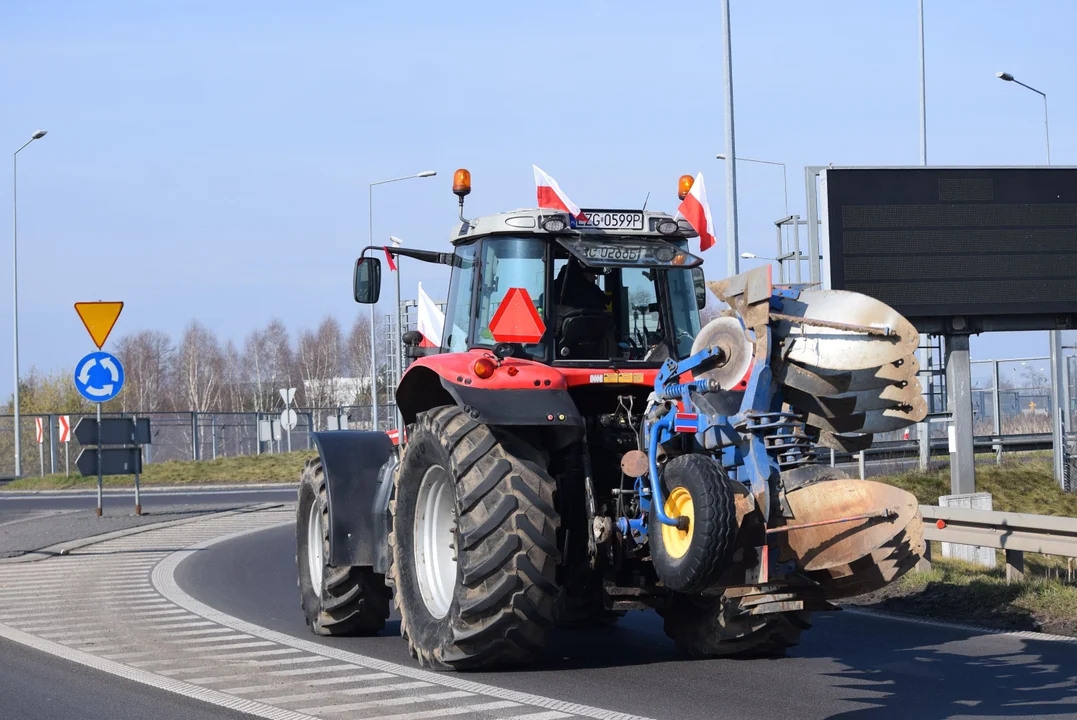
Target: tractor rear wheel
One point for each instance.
(335, 600)
(714, 627)
(473, 546)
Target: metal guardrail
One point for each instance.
(1016, 533)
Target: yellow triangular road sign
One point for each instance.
(99, 317)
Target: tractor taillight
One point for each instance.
(484, 368)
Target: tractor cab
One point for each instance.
(612, 287)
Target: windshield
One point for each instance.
(507, 263)
(594, 314)
(617, 313)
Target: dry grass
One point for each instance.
(954, 590)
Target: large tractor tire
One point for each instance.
(717, 627)
(473, 546)
(335, 600)
(696, 487)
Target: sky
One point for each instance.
(211, 161)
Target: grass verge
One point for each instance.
(284, 467)
(1045, 601)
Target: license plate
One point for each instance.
(612, 220)
(614, 253)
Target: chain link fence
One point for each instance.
(183, 435)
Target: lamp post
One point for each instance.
(15, 285)
(1046, 126)
(370, 236)
(1059, 382)
(785, 182)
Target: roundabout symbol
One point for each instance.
(99, 377)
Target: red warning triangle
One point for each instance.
(516, 319)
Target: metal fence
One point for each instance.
(183, 435)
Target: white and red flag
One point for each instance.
(431, 320)
(551, 197)
(697, 212)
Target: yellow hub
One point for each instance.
(679, 502)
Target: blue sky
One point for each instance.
(210, 160)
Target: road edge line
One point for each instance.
(163, 578)
(933, 622)
(65, 548)
(144, 677)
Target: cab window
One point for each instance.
(506, 263)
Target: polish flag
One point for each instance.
(697, 212)
(431, 320)
(389, 257)
(551, 197)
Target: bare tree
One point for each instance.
(146, 357)
(357, 357)
(198, 369)
(233, 389)
(320, 364)
(270, 364)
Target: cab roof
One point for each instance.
(529, 221)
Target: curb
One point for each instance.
(66, 548)
(115, 490)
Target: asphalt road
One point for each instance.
(849, 666)
(37, 686)
(33, 521)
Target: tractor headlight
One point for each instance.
(554, 224)
(668, 227)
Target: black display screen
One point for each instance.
(940, 243)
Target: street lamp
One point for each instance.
(1046, 127)
(753, 256)
(1059, 386)
(370, 236)
(785, 183)
(15, 284)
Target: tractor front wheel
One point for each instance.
(473, 546)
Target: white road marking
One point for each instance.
(127, 600)
(548, 715)
(320, 681)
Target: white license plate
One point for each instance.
(612, 220)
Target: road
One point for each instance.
(35, 686)
(849, 666)
(210, 609)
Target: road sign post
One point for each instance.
(40, 444)
(125, 438)
(288, 417)
(138, 499)
(98, 376)
(64, 422)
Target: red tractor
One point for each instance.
(576, 448)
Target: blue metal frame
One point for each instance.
(740, 439)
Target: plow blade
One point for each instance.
(841, 330)
(873, 421)
(890, 396)
(877, 570)
(843, 547)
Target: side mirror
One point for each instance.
(700, 284)
(367, 280)
(412, 338)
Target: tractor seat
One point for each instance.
(586, 335)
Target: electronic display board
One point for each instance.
(987, 248)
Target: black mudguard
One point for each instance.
(358, 467)
(542, 408)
